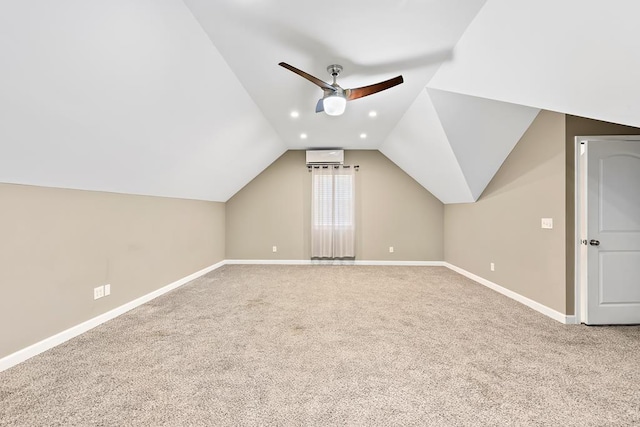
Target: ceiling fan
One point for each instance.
(335, 98)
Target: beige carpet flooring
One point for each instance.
(331, 345)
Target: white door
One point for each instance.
(613, 232)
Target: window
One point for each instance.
(334, 200)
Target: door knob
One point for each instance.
(593, 242)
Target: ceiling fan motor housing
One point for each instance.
(334, 70)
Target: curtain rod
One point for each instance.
(309, 167)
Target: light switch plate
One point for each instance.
(547, 223)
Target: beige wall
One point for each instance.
(392, 209)
(503, 226)
(580, 126)
(57, 245)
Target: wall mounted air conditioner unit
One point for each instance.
(325, 157)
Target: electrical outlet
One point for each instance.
(493, 267)
(107, 289)
(275, 249)
(98, 292)
(546, 223)
(390, 249)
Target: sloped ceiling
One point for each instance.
(124, 96)
(579, 57)
(185, 98)
(481, 133)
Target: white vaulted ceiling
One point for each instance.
(125, 96)
(186, 99)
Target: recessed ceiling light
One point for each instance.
(372, 114)
(303, 136)
(363, 135)
(295, 114)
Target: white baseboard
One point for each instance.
(59, 338)
(549, 312)
(334, 262)
(404, 263)
(269, 261)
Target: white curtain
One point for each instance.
(333, 212)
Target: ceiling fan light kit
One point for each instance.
(335, 98)
(334, 105)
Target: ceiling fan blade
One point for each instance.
(320, 106)
(314, 80)
(371, 89)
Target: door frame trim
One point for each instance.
(580, 279)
